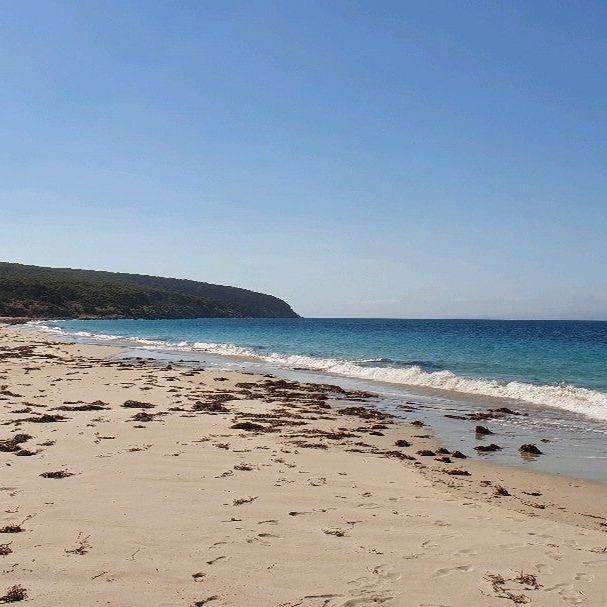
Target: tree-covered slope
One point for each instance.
(39, 292)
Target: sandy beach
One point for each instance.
(131, 483)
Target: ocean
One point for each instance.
(554, 371)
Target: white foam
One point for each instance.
(571, 398)
(225, 349)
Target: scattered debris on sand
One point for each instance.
(57, 474)
(14, 594)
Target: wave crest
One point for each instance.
(580, 400)
(571, 398)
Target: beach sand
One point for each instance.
(308, 503)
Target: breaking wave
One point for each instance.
(568, 397)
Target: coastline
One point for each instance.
(573, 441)
(444, 363)
(308, 507)
(17, 320)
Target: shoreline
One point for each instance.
(165, 488)
(567, 398)
(574, 444)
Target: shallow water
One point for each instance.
(551, 372)
(557, 363)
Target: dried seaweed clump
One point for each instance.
(457, 472)
(364, 413)
(136, 404)
(95, 406)
(499, 585)
(528, 579)
(210, 408)
(251, 426)
(57, 474)
(82, 545)
(244, 500)
(142, 416)
(12, 529)
(14, 594)
(12, 444)
(45, 418)
(398, 455)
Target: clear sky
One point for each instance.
(402, 159)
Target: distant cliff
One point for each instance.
(37, 292)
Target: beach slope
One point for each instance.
(140, 484)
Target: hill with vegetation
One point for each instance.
(38, 292)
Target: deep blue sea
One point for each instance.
(560, 364)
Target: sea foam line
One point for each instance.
(571, 398)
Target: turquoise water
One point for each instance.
(560, 364)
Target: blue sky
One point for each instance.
(401, 159)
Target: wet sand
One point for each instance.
(130, 483)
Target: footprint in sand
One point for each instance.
(450, 570)
(597, 562)
(385, 572)
(372, 598)
(583, 577)
(544, 536)
(514, 546)
(368, 591)
(559, 587)
(258, 540)
(571, 596)
(544, 568)
(467, 552)
(556, 556)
